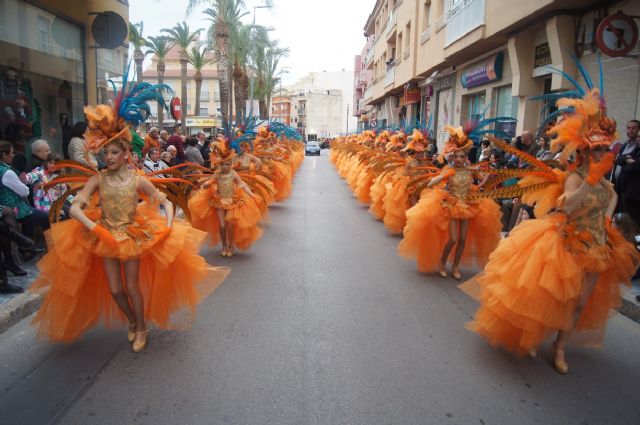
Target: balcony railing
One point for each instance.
(425, 36)
(467, 16)
(389, 77)
(369, 57)
(391, 22)
(441, 22)
(391, 64)
(204, 95)
(368, 93)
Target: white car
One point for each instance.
(312, 148)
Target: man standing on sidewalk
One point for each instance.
(625, 172)
(177, 141)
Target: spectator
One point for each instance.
(528, 144)
(153, 163)
(165, 157)
(137, 161)
(13, 193)
(174, 153)
(43, 199)
(201, 139)
(624, 148)
(176, 140)
(40, 150)
(192, 152)
(628, 173)
(162, 140)
(78, 146)
(151, 140)
(485, 151)
(545, 154)
(206, 151)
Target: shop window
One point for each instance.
(473, 107)
(505, 105)
(42, 86)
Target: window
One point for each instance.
(43, 33)
(426, 16)
(505, 105)
(472, 106)
(204, 111)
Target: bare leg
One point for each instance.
(464, 230)
(223, 229)
(131, 269)
(112, 269)
(563, 336)
(453, 239)
(230, 235)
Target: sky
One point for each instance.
(322, 35)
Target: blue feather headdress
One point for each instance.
(130, 108)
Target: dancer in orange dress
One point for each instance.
(225, 206)
(560, 273)
(449, 217)
(120, 259)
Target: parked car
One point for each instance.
(312, 148)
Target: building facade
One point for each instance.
(443, 61)
(317, 112)
(210, 115)
(362, 81)
(50, 66)
(281, 109)
(320, 82)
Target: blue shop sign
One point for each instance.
(483, 72)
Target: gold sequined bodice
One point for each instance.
(225, 184)
(460, 183)
(590, 216)
(243, 163)
(118, 204)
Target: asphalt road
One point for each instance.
(320, 323)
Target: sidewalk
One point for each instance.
(16, 307)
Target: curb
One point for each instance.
(630, 307)
(13, 311)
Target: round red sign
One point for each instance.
(176, 108)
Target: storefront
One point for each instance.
(49, 67)
(196, 124)
(484, 91)
(443, 87)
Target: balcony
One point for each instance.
(391, 23)
(389, 77)
(368, 93)
(369, 57)
(425, 36)
(464, 18)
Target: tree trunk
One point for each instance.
(138, 58)
(183, 89)
(198, 80)
(160, 67)
(237, 88)
(263, 108)
(243, 88)
(222, 56)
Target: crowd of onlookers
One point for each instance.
(25, 202)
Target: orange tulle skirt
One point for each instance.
(173, 278)
(427, 229)
(281, 178)
(241, 211)
(378, 192)
(363, 186)
(396, 202)
(531, 286)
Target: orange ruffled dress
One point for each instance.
(427, 229)
(242, 211)
(173, 278)
(532, 283)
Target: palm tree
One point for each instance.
(136, 38)
(225, 15)
(160, 46)
(183, 37)
(272, 76)
(266, 55)
(241, 48)
(198, 59)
